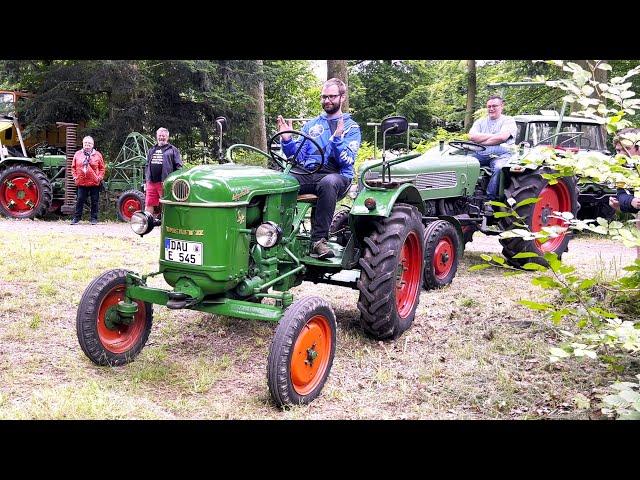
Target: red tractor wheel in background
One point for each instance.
(129, 202)
(302, 351)
(559, 197)
(25, 192)
(391, 274)
(102, 334)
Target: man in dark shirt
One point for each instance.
(162, 159)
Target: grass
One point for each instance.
(473, 352)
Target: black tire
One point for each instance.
(129, 202)
(295, 378)
(441, 254)
(562, 196)
(340, 227)
(387, 303)
(25, 192)
(104, 345)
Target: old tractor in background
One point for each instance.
(37, 179)
(232, 236)
(574, 134)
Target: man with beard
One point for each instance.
(339, 137)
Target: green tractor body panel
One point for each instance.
(436, 174)
(206, 235)
(385, 200)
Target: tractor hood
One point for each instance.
(436, 173)
(226, 183)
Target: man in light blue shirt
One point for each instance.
(496, 132)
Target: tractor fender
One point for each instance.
(386, 199)
(7, 162)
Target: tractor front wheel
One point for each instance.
(559, 197)
(302, 352)
(441, 247)
(25, 192)
(129, 202)
(391, 273)
(103, 336)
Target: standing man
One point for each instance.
(87, 168)
(339, 137)
(496, 132)
(162, 159)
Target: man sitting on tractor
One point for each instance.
(339, 137)
(496, 132)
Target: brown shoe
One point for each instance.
(322, 250)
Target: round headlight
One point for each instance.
(268, 234)
(141, 222)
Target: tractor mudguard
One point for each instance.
(386, 199)
(8, 161)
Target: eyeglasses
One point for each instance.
(329, 97)
(492, 106)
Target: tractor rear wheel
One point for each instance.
(103, 337)
(25, 192)
(391, 273)
(301, 352)
(129, 202)
(441, 248)
(560, 197)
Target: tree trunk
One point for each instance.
(257, 126)
(471, 94)
(338, 69)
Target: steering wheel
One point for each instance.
(467, 146)
(282, 161)
(37, 147)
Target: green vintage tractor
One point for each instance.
(36, 180)
(234, 235)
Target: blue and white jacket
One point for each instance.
(339, 152)
(625, 197)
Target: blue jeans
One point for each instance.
(496, 163)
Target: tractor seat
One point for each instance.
(307, 198)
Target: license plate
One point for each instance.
(182, 251)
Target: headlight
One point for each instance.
(142, 222)
(268, 234)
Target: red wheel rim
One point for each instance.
(310, 355)
(553, 198)
(443, 258)
(129, 206)
(123, 337)
(408, 275)
(19, 193)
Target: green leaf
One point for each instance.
(480, 267)
(527, 201)
(497, 204)
(485, 257)
(558, 352)
(558, 315)
(525, 255)
(503, 214)
(536, 305)
(534, 266)
(586, 284)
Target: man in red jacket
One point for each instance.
(88, 171)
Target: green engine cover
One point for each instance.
(207, 211)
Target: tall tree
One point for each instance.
(338, 69)
(471, 94)
(257, 127)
